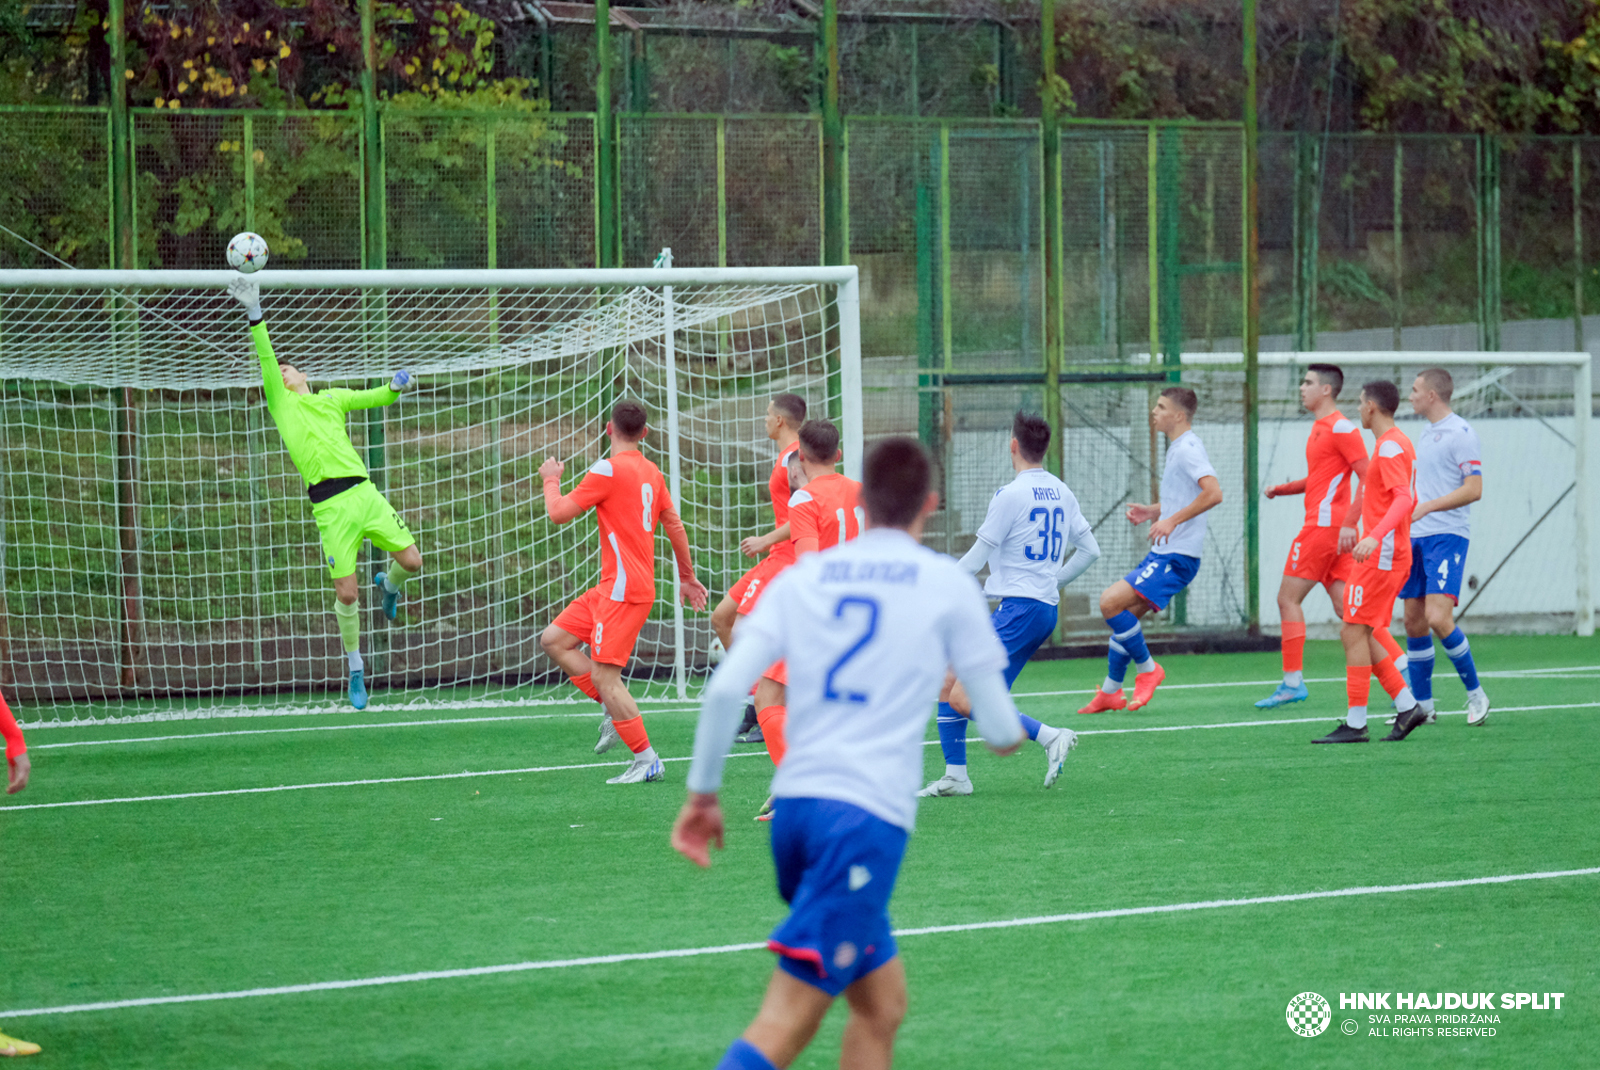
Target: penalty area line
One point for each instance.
(724, 949)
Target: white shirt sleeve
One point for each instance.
(998, 520)
(1467, 454)
(760, 643)
(974, 559)
(1196, 464)
(971, 647)
(993, 709)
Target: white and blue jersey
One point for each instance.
(1172, 565)
(1033, 523)
(1447, 453)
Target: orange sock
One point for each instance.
(586, 685)
(1294, 645)
(1357, 682)
(772, 719)
(1389, 677)
(633, 734)
(1391, 649)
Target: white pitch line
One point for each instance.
(1313, 720)
(723, 949)
(309, 728)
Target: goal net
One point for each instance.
(157, 551)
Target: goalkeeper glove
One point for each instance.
(401, 380)
(248, 293)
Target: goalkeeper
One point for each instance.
(345, 504)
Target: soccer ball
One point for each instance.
(247, 252)
(717, 651)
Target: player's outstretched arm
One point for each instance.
(1138, 514)
(248, 293)
(693, 590)
(973, 561)
(756, 545)
(1294, 486)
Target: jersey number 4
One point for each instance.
(853, 606)
(1049, 533)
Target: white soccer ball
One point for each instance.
(247, 252)
(717, 651)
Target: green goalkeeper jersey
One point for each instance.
(312, 425)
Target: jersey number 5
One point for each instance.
(830, 690)
(1050, 535)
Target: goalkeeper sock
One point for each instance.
(1419, 652)
(583, 683)
(396, 577)
(633, 734)
(349, 616)
(952, 735)
(772, 719)
(1459, 651)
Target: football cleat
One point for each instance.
(11, 1046)
(1056, 753)
(946, 785)
(1102, 702)
(767, 808)
(1405, 724)
(1432, 718)
(1477, 707)
(391, 599)
(358, 690)
(608, 735)
(640, 771)
(1144, 687)
(1283, 696)
(1344, 734)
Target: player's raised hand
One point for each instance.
(401, 381)
(695, 593)
(699, 824)
(20, 768)
(248, 293)
(1364, 548)
(551, 469)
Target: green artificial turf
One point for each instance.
(223, 893)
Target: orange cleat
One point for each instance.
(1144, 687)
(1103, 702)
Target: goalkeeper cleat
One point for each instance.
(608, 735)
(1103, 702)
(945, 786)
(767, 808)
(1405, 724)
(1283, 696)
(391, 599)
(642, 770)
(1345, 734)
(358, 690)
(11, 1046)
(1144, 687)
(1056, 753)
(1477, 707)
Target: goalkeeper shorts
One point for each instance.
(352, 515)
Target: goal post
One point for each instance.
(174, 570)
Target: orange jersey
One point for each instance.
(1332, 451)
(1392, 471)
(826, 510)
(628, 495)
(778, 488)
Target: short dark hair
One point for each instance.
(819, 441)
(1032, 435)
(628, 418)
(1184, 397)
(1330, 374)
(791, 407)
(894, 481)
(1383, 394)
(1439, 381)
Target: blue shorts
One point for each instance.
(1160, 576)
(1437, 564)
(836, 869)
(1022, 624)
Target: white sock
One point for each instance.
(356, 664)
(955, 772)
(1405, 699)
(1111, 687)
(1294, 679)
(1476, 692)
(1047, 735)
(647, 755)
(1357, 717)
(1402, 663)
(1147, 665)
(1426, 704)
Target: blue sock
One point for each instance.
(1419, 650)
(952, 735)
(1031, 725)
(1117, 662)
(1455, 646)
(1125, 630)
(743, 1055)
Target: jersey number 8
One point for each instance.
(647, 494)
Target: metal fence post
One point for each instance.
(1577, 245)
(833, 209)
(605, 126)
(1054, 264)
(1488, 243)
(1252, 328)
(1399, 244)
(1307, 217)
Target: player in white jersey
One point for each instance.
(1189, 488)
(868, 628)
(1449, 480)
(1035, 541)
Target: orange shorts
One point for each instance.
(1314, 555)
(610, 628)
(753, 584)
(1369, 593)
(778, 673)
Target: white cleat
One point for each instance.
(641, 771)
(608, 735)
(946, 785)
(1057, 752)
(1477, 708)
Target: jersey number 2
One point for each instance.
(829, 690)
(1050, 535)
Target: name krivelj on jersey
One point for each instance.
(1046, 494)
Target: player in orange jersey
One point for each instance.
(1320, 554)
(17, 778)
(629, 498)
(1382, 564)
(785, 414)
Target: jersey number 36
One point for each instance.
(1049, 533)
